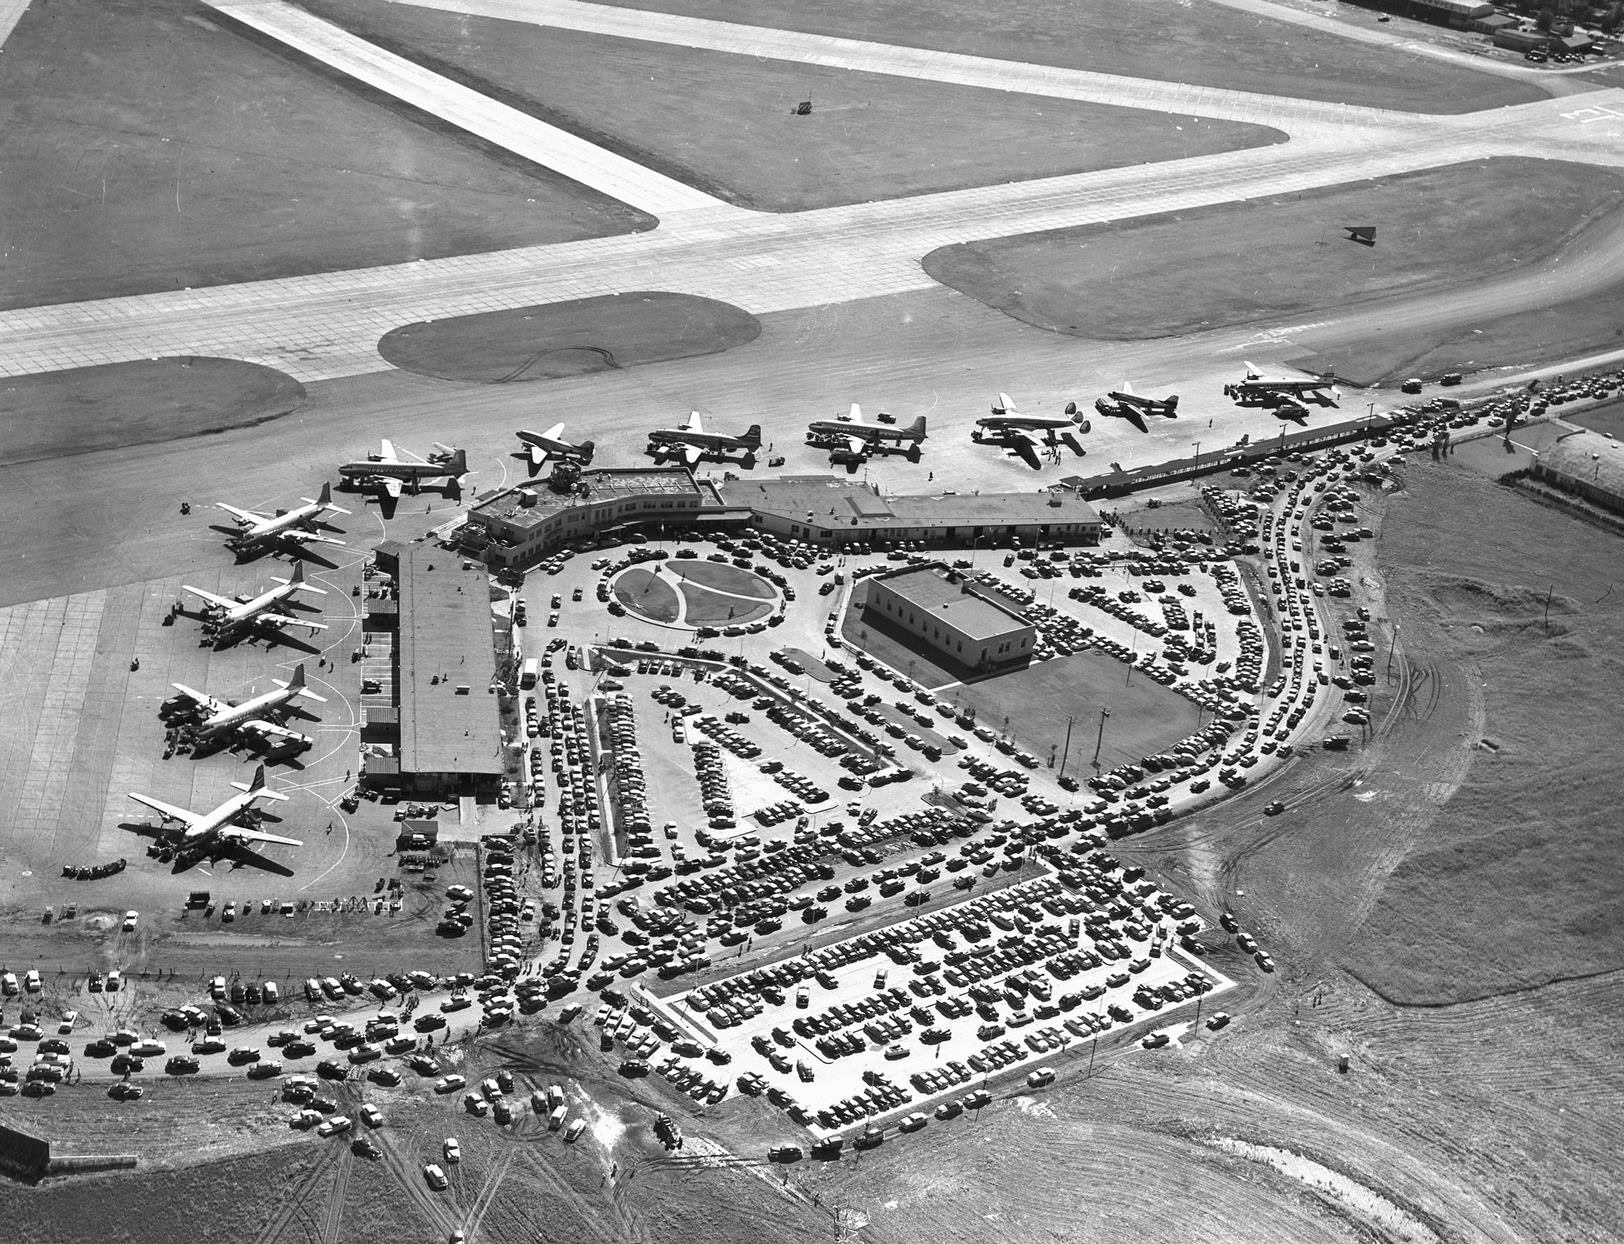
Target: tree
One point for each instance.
(1543, 20)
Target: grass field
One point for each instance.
(148, 148)
(713, 609)
(1204, 44)
(647, 595)
(724, 123)
(722, 577)
(1164, 275)
(1512, 886)
(1570, 329)
(571, 338)
(1035, 704)
(89, 408)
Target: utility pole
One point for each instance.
(1100, 738)
(1391, 645)
(1066, 750)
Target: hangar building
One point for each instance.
(952, 617)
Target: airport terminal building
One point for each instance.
(518, 527)
(952, 617)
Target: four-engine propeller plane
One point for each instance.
(1029, 436)
(1124, 403)
(1256, 388)
(220, 827)
(690, 442)
(219, 720)
(290, 525)
(225, 615)
(543, 447)
(387, 472)
(849, 438)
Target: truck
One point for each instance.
(555, 1120)
(530, 671)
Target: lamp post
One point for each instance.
(1066, 750)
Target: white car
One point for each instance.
(131, 919)
(69, 1019)
(453, 1151)
(371, 1115)
(435, 1176)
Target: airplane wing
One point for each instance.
(538, 456)
(857, 444)
(223, 602)
(391, 485)
(554, 433)
(286, 619)
(169, 811)
(387, 453)
(1025, 447)
(1133, 416)
(269, 729)
(234, 833)
(309, 536)
(691, 454)
(856, 413)
(201, 698)
(242, 516)
(693, 424)
(1128, 389)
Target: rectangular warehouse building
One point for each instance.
(449, 740)
(952, 618)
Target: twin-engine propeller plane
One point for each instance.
(543, 447)
(1124, 403)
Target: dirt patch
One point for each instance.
(90, 408)
(1181, 272)
(574, 338)
(148, 147)
(1203, 44)
(869, 136)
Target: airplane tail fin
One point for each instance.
(458, 463)
(752, 436)
(298, 679)
(916, 429)
(1173, 406)
(325, 496)
(587, 448)
(298, 573)
(259, 774)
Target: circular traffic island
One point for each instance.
(695, 594)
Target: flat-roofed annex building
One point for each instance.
(1587, 464)
(824, 509)
(952, 617)
(449, 740)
